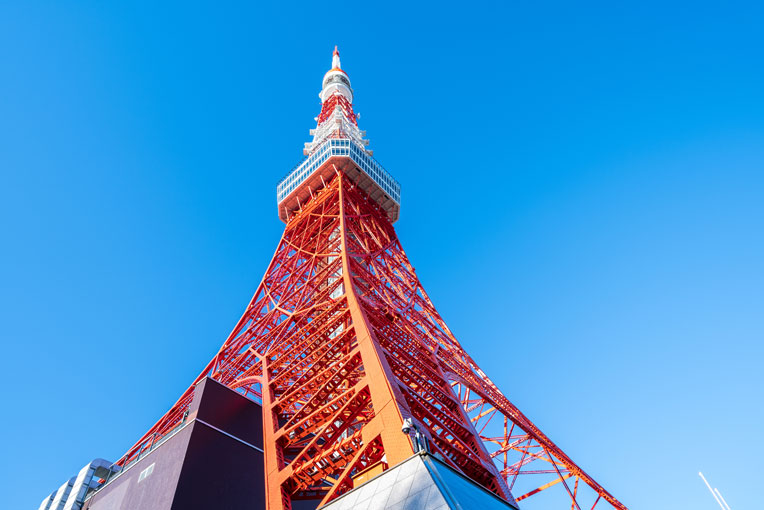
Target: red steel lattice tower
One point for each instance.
(341, 345)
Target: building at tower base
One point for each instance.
(420, 483)
(213, 460)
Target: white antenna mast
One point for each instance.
(722, 498)
(715, 493)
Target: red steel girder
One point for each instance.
(340, 344)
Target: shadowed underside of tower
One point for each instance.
(343, 347)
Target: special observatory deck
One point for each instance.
(347, 156)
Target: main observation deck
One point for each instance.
(347, 156)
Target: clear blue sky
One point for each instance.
(582, 197)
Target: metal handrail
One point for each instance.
(364, 160)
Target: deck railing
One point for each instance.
(339, 147)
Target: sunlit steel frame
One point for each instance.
(340, 344)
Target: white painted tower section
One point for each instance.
(341, 122)
(336, 81)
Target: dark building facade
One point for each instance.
(214, 460)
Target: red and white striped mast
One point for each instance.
(337, 118)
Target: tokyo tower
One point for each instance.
(354, 368)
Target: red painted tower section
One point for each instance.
(342, 346)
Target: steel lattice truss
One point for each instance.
(328, 107)
(340, 344)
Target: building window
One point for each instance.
(146, 472)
